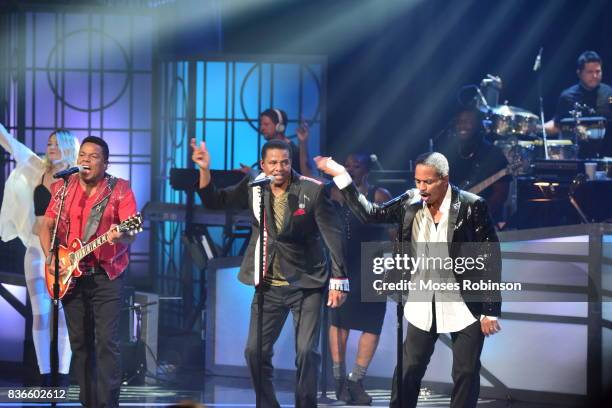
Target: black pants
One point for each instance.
(92, 311)
(418, 348)
(305, 306)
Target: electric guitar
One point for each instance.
(477, 188)
(70, 256)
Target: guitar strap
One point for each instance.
(95, 215)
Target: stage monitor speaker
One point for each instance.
(138, 333)
(149, 325)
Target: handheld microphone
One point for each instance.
(538, 61)
(409, 194)
(264, 181)
(68, 172)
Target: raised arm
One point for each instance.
(365, 210)
(303, 133)
(234, 197)
(201, 157)
(18, 150)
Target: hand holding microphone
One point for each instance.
(408, 194)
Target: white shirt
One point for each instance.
(452, 314)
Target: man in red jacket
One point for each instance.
(95, 202)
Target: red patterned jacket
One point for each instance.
(122, 204)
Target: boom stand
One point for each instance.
(56, 298)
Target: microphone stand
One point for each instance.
(581, 213)
(541, 97)
(260, 299)
(399, 311)
(576, 183)
(259, 288)
(55, 327)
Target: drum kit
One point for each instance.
(544, 166)
(518, 133)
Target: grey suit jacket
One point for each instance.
(310, 221)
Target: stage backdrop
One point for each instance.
(88, 71)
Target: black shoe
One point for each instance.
(358, 394)
(342, 392)
(45, 380)
(64, 380)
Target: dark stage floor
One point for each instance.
(228, 392)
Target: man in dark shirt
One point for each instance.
(595, 96)
(473, 159)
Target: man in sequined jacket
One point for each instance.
(459, 222)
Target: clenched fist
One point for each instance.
(328, 166)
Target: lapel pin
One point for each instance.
(302, 203)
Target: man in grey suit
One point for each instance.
(298, 217)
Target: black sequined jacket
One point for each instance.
(470, 230)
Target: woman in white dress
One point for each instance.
(26, 196)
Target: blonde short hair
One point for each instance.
(68, 146)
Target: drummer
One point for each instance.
(473, 159)
(591, 93)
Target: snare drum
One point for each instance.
(509, 121)
(526, 124)
(501, 125)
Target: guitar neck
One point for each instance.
(89, 248)
(132, 224)
(488, 181)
